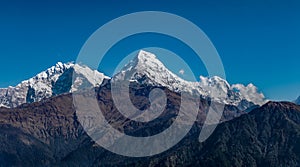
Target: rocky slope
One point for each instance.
(51, 128)
(267, 136)
(48, 133)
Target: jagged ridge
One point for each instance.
(146, 68)
(54, 81)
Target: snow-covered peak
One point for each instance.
(84, 73)
(215, 81)
(146, 59)
(250, 93)
(51, 73)
(53, 81)
(236, 92)
(144, 56)
(146, 68)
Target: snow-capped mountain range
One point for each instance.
(54, 81)
(145, 68)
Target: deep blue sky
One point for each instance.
(258, 40)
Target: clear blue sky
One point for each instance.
(258, 40)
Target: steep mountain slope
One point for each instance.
(146, 68)
(54, 81)
(51, 128)
(45, 132)
(298, 101)
(268, 136)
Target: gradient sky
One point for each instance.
(258, 40)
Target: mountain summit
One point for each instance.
(145, 68)
(53, 81)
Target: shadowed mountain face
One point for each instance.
(46, 130)
(267, 136)
(48, 133)
(51, 128)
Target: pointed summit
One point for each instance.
(142, 55)
(145, 68)
(145, 61)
